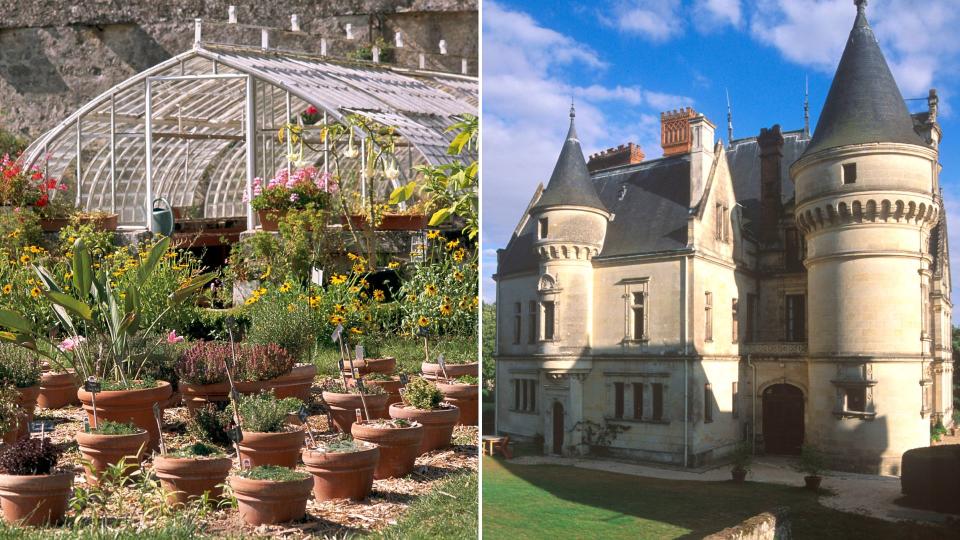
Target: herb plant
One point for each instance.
(18, 366)
(264, 413)
(30, 457)
(274, 473)
(108, 427)
(423, 394)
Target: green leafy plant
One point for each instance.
(812, 460)
(335, 386)
(423, 394)
(264, 413)
(10, 412)
(210, 423)
(109, 427)
(198, 450)
(30, 457)
(18, 366)
(343, 444)
(274, 473)
(467, 379)
(937, 431)
(742, 457)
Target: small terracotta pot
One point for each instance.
(58, 390)
(296, 384)
(465, 397)
(187, 478)
(343, 407)
(280, 449)
(739, 475)
(372, 365)
(342, 475)
(391, 387)
(105, 450)
(129, 406)
(197, 396)
(28, 404)
(266, 502)
(812, 482)
(437, 424)
(35, 500)
(432, 371)
(270, 219)
(399, 447)
(249, 388)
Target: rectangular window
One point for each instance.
(794, 255)
(548, 314)
(517, 323)
(707, 403)
(638, 401)
(726, 224)
(751, 333)
(856, 399)
(517, 383)
(532, 330)
(525, 395)
(657, 401)
(525, 403)
(639, 323)
(796, 318)
(734, 320)
(718, 211)
(532, 403)
(708, 316)
(849, 173)
(618, 400)
(544, 228)
(735, 392)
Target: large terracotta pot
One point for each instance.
(343, 408)
(249, 388)
(101, 223)
(35, 500)
(58, 390)
(371, 365)
(270, 219)
(129, 406)
(105, 450)
(297, 383)
(28, 404)
(342, 475)
(399, 447)
(465, 397)
(432, 371)
(391, 387)
(187, 478)
(198, 396)
(437, 424)
(266, 502)
(281, 449)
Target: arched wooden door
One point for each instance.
(782, 419)
(557, 427)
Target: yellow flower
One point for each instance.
(446, 309)
(452, 244)
(433, 235)
(337, 319)
(24, 259)
(285, 287)
(338, 279)
(354, 289)
(352, 256)
(35, 250)
(339, 308)
(35, 292)
(355, 331)
(430, 289)
(411, 298)
(68, 275)
(252, 300)
(358, 268)
(171, 254)
(393, 265)
(266, 274)
(260, 292)
(314, 301)
(464, 303)
(290, 308)
(378, 295)
(423, 321)
(476, 301)
(364, 283)
(14, 233)
(7, 289)
(458, 276)
(459, 254)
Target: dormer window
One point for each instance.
(849, 173)
(544, 228)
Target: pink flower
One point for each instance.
(71, 343)
(294, 197)
(172, 337)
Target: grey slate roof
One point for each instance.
(570, 182)
(864, 104)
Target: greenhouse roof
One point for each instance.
(203, 122)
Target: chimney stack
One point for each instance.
(675, 131)
(770, 142)
(625, 154)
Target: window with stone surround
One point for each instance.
(734, 320)
(707, 403)
(517, 323)
(633, 397)
(796, 317)
(532, 325)
(854, 386)
(708, 316)
(638, 401)
(735, 392)
(524, 395)
(849, 173)
(636, 306)
(544, 227)
(618, 391)
(657, 402)
(548, 309)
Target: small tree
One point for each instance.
(812, 460)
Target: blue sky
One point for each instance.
(626, 61)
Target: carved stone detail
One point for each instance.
(577, 252)
(867, 211)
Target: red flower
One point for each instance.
(42, 201)
(311, 110)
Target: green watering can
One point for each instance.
(162, 217)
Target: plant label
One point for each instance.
(245, 464)
(316, 276)
(404, 380)
(423, 331)
(359, 352)
(442, 361)
(303, 414)
(356, 373)
(336, 333)
(234, 395)
(231, 323)
(235, 435)
(40, 426)
(92, 385)
(359, 415)
(86, 425)
(361, 386)
(340, 363)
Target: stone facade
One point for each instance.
(59, 55)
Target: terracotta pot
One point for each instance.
(372, 365)
(281, 449)
(465, 397)
(270, 219)
(432, 371)
(197, 396)
(343, 408)
(186, 478)
(399, 447)
(391, 387)
(28, 404)
(58, 390)
(105, 450)
(437, 424)
(249, 388)
(265, 502)
(739, 475)
(35, 500)
(175, 400)
(342, 475)
(103, 223)
(297, 383)
(812, 482)
(129, 406)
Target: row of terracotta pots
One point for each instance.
(295, 384)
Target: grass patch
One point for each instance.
(408, 352)
(177, 529)
(449, 512)
(545, 501)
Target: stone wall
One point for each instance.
(773, 525)
(56, 55)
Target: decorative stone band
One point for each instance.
(867, 208)
(573, 252)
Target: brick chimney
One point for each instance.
(675, 131)
(625, 154)
(770, 142)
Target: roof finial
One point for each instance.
(573, 110)
(861, 6)
(729, 119)
(806, 107)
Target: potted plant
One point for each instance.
(22, 187)
(464, 393)
(289, 190)
(742, 458)
(32, 491)
(203, 375)
(260, 367)
(10, 413)
(390, 384)
(21, 368)
(344, 402)
(367, 366)
(267, 438)
(423, 403)
(342, 468)
(811, 463)
(270, 494)
(296, 383)
(192, 471)
(58, 387)
(399, 443)
(456, 367)
(109, 442)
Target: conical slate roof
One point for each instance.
(864, 104)
(570, 182)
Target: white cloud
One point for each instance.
(655, 20)
(711, 15)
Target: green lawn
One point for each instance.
(448, 512)
(546, 501)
